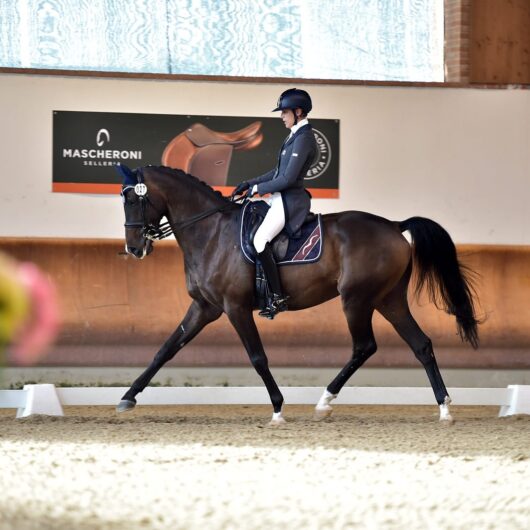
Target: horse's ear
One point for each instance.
(127, 174)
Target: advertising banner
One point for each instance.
(220, 150)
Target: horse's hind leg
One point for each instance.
(199, 314)
(359, 318)
(396, 310)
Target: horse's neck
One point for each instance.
(186, 203)
(187, 200)
(204, 241)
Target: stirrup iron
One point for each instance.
(277, 304)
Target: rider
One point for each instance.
(289, 201)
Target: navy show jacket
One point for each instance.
(296, 157)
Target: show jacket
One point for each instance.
(295, 158)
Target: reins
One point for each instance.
(184, 224)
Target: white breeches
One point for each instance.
(272, 224)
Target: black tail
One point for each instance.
(448, 282)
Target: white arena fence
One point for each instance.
(48, 399)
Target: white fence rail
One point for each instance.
(47, 399)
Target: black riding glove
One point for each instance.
(244, 186)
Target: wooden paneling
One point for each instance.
(113, 305)
(500, 41)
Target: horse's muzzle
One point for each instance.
(140, 253)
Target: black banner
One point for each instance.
(221, 150)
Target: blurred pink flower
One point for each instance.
(42, 325)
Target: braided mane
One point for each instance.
(194, 181)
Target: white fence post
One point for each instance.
(41, 399)
(519, 401)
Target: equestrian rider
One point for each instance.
(289, 201)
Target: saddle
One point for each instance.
(304, 247)
(206, 154)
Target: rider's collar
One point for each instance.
(299, 125)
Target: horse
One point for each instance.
(366, 260)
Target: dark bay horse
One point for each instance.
(366, 261)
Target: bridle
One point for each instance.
(151, 231)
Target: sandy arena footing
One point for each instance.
(222, 468)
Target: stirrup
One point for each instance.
(277, 304)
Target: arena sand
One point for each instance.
(214, 467)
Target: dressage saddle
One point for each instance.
(206, 154)
(305, 246)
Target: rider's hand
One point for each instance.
(244, 186)
(253, 191)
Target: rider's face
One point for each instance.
(288, 117)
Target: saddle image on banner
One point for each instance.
(206, 154)
(220, 150)
(305, 247)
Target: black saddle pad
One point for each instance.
(304, 247)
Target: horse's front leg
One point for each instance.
(199, 314)
(243, 322)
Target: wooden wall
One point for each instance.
(500, 41)
(118, 310)
(487, 41)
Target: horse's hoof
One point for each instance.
(124, 405)
(322, 414)
(277, 422)
(447, 420)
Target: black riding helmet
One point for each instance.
(294, 98)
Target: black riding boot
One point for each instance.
(277, 302)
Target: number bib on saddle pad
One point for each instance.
(305, 247)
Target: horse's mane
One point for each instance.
(194, 181)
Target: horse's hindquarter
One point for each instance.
(373, 253)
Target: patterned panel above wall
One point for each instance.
(333, 39)
(362, 39)
(234, 37)
(84, 34)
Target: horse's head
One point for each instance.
(142, 212)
